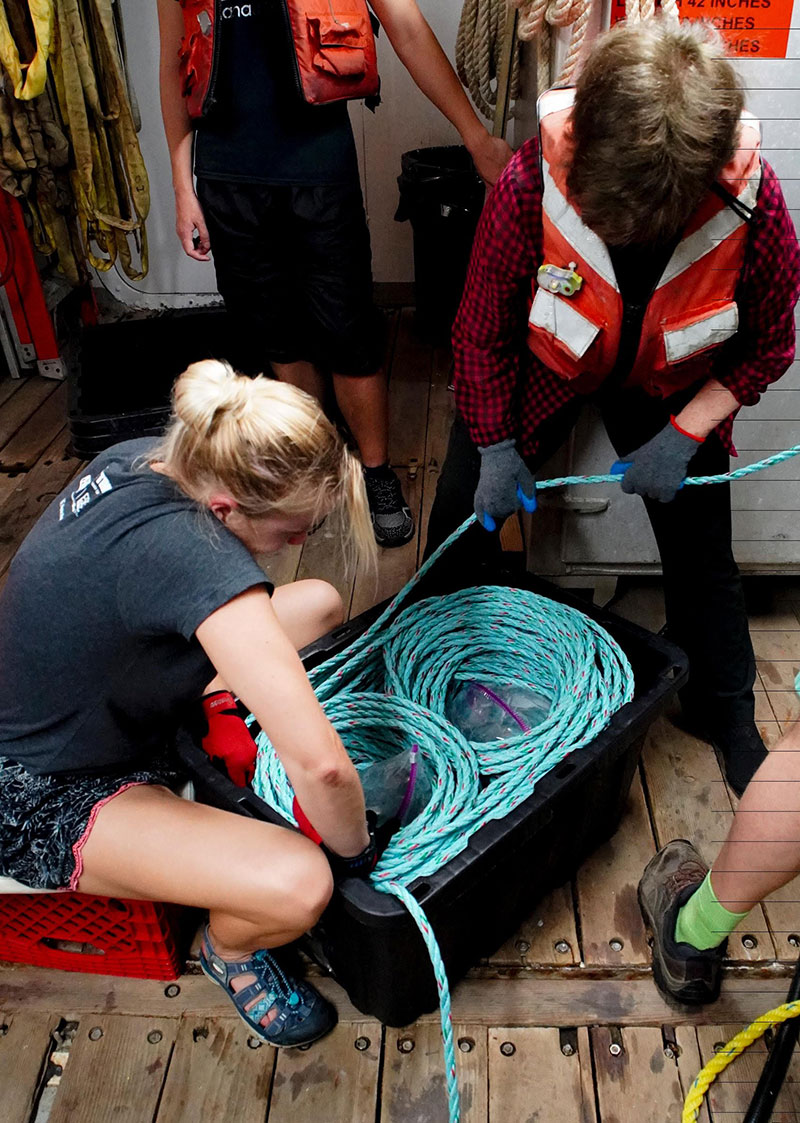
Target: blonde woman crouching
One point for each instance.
(136, 593)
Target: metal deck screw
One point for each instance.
(615, 1049)
(406, 1044)
(254, 1043)
(95, 1033)
(794, 940)
(669, 1053)
(172, 991)
(154, 1036)
(749, 942)
(362, 1044)
(508, 1048)
(522, 946)
(562, 947)
(567, 1049)
(466, 1044)
(616, 944)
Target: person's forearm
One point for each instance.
(421, 54)
(177, 123)
(245, 642)
(708, 408)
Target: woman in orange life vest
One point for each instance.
(278, 202)
(639, 253)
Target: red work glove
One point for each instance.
(228, 739)
(304, 824)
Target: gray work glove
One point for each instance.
(505, 483)
(657, 469)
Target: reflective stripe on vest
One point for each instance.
(692, 308)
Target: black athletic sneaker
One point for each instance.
(682, 973)
(391, 516)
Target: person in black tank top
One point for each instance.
(278, 201)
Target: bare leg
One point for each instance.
(762, 850)
(263, 886)
(364, 402)
(303, 375)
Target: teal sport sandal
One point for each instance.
(299, 1013)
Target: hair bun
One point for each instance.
(207, 393)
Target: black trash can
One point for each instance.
(442, 195)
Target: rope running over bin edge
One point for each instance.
(349, 684)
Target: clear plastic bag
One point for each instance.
(494, 713)
(398, 788)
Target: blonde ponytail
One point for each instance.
(268, 445)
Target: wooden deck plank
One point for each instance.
(282, 568)
(409, 390)
(548, 936)
(119, 1075)
(33, 493)
(612, 928)
(777, 658)
(8, 387)
(30, 396)
(441, 411)
(323, 558)
(689, 1064)
(395, 566)
(25, 1043)
(414, 1088)
(537, 1082)
(689, 799)
(336, 1081)
(639, 1082)
(214, 1074)
(29, 442)
(529, 998)
(730, 1095)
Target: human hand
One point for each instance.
(188, 220)
(490, 154)
(505, 484)
(657, 469)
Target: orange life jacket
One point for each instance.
(333, 50)
(692, 308)
(198, 54)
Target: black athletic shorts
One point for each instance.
(294, 268)
(46, 820)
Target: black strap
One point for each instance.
(733, 201)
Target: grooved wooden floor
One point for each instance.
(561, 1024)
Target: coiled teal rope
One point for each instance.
(388, 690)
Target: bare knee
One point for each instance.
(307, 890)
(324, 604)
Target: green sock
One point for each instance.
(703, 922)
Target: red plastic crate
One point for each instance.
(99, 935)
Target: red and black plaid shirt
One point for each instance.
(503, 390)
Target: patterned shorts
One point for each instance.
(46, 820)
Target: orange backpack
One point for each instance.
(334, 50)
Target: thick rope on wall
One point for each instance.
(479, 48)
(536, 17)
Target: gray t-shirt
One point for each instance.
(98, 656)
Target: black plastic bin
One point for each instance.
(122, 385)
(369, 942)
(442, 195)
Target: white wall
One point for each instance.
(405, 120)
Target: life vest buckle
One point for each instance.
(554, 278)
